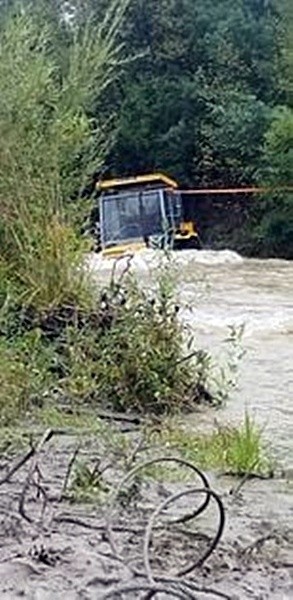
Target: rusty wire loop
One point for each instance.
(148, 587)
(142, 582)
(161, 508)
(147, 582)
(137, 469)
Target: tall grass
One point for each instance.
(49, 142)
(238, 450)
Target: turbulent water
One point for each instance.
(221, 289)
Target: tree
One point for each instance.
(197, 93)
(50, 142)
(275, 230)
(286, 48)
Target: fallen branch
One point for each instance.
(115, 416)
(22, 461)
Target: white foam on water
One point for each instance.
(207, 316)
(263, 323)
(145, 261)
(208, 257)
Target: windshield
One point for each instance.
(131, 215)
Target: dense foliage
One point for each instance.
(50, 143)
(61, 339)
(198, 101)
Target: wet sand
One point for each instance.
(65, 553)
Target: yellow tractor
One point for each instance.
(143, 211)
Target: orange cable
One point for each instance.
(247, 190)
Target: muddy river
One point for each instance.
(257, 295)
(219, 290)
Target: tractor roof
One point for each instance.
(140, 180)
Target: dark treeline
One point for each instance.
(204, 92)
(207, 97)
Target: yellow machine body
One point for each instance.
(187, 231)
(142, 211)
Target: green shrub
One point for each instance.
(124, 353)
(50, 144)
(137, 363)
(238, 450)
(24, 375)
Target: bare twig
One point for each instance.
(68, 472)
(24, 459)
(137, 448)
(129, 258)
(235, 491)
(33, 466)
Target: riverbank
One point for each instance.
(221, 292)
(54, 532)
(52, 547)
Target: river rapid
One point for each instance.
(218, 290)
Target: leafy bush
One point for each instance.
(24, 375)
(50, 144)
(51, 73)
(125, 354)
(134, 360)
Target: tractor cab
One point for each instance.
(139, 212)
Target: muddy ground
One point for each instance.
(53, 548)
